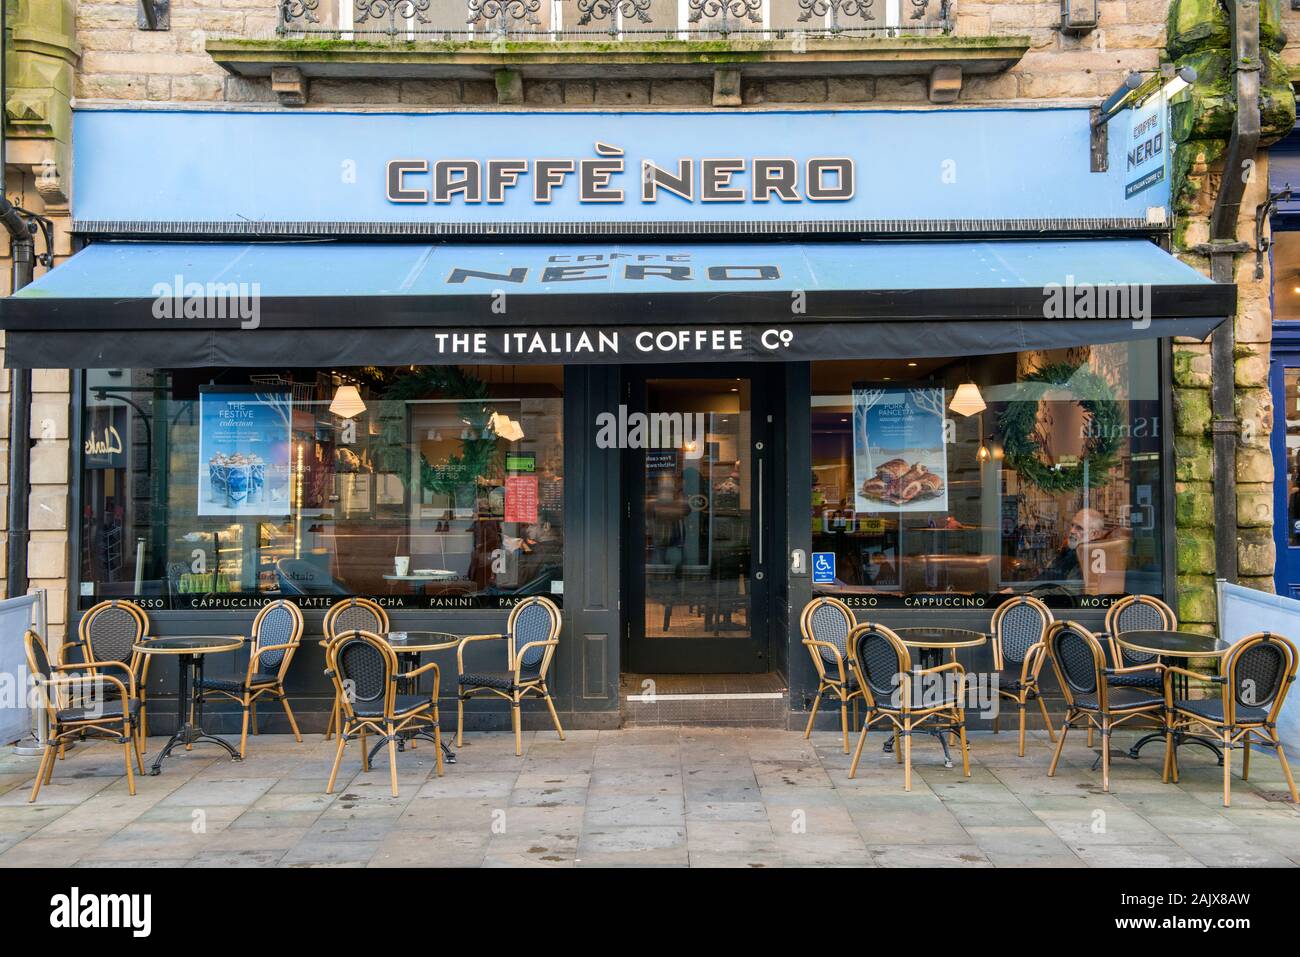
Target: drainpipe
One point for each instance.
(23, 247)
(1238, 164)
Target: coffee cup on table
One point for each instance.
(402, 564)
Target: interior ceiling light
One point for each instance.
(347, 402)
(967, 400)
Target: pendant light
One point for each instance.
(347, 402)
(967, 400)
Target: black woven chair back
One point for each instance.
(111, 631)
(352, 615)
(882, 659)
(1077, 657)
(362, 668)
(1258, 670)
(829, 622)
(1021, 626)
(533, 621)
(278, 625)
(1141, 614)
(37, 658)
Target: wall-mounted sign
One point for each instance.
(521, 461)
(106, 434)
(521, 498)
(520, 173)
(1146, 147)
(823, 568)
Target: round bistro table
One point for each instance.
(933, 643)
(1179, 646)
(190, 650)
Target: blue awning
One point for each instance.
(162, 304)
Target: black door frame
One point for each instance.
(706, 656)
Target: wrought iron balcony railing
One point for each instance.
(603, 20)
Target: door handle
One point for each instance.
(760, 517)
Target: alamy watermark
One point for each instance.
(179, 299)
(651, 430)
(1101, 300)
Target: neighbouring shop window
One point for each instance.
(952, 482)
(437, 486)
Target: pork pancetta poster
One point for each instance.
(900, 461)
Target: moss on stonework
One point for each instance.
(1194, 552)
(1191, 411)
(1194, 506)
(1196, 25)
(1187, 181)
(1193, 458)
(1197, 601)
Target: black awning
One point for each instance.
(197, 304)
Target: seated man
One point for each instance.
(1088, 525)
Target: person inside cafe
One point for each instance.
(1088, 525)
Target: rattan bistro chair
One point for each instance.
(884, 670)
(1019, 627)
(78, 703)
(1137, 613)
(107, 635)
(277, 630)
(1080, 665)
(826, 624)
(1256, 674)
(532, 635)
(363, 668)
(351, 614)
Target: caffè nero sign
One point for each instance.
(606, 178)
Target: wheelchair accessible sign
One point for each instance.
(823, 568)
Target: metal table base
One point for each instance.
(190, 733)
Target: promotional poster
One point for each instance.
(900, 461)
(244, 453)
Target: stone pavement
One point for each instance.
(645, 797)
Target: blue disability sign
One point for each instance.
(823, 568)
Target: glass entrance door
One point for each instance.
(698, 483)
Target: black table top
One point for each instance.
(1179, 644)
(923, 636)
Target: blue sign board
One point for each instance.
(823, 568)
(453, 173)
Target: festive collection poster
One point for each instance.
(900, 461)
(245, 446)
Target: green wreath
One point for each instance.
(1022, 451)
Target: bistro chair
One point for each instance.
(107, 635)
(77, 704)
(1256, 674)
(1019, 627)
(363, 668)
(1137, 613)
(277, 630)
(1080, 666)
(351, 614)
(883, 667)
(826, 624)
(532, 635)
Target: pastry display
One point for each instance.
(897, 482)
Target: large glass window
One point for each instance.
(952, 482)
(436, 486)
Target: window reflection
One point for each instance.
(1031, 472)
(420, 486)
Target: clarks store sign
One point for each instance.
(601, 179)
(599, 173)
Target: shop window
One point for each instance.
(436, 486)
(953, 482)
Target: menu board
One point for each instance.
(521, 498)
(244, 452)
(900, 461)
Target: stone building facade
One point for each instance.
(219, 54)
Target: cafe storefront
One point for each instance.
(677, 371)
